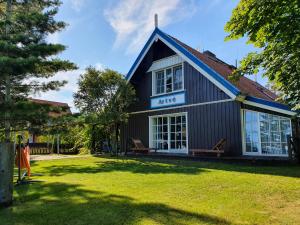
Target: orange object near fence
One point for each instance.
(25, 159)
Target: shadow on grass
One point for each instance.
(189, 166)
(60, 203)
(142, 166)
(148, 165)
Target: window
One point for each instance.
(160, 82)
(177, 78)
(168, 80)
(252, 132)
(266, 134)
(169, 132)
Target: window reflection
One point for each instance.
(266, 134)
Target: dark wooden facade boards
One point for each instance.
(207, 124)
(211, 113)
(198, 89)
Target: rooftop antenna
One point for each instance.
(156, 20)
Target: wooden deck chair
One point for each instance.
(218, 148)
(139, 147)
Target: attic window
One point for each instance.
(168, 80)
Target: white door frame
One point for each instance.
(184, 151)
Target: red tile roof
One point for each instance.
(66, 108)
(245, 85)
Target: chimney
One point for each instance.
(209, 53)
(156, 20)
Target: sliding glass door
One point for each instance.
(265, 134)
(169, 133)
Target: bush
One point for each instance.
(84, 151)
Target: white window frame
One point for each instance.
(259, 153)
(165, 83)
(184, 151)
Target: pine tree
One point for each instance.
(27, 59)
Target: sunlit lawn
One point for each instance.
(103, 190)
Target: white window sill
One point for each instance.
(265, 155)
(168, 93)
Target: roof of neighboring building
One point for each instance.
(245, 85)
(66, 108)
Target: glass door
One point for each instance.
(169, 133)
(178, 132)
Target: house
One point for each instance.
(186, 101)
(64, 109)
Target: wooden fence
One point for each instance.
(44, 148)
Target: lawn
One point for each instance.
(104, 190)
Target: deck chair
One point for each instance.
(139, 147)
(218, 148)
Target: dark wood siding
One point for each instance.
(198, 89)
(207, 124)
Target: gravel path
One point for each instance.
(53, 156)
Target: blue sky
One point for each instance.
(110, 34)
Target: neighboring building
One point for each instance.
(186, 101)
(64, 110)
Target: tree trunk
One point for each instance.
(7, 156)
(116, 137)
(7, 78)
(57, 144)
(93, 139)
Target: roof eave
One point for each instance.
(269, 105)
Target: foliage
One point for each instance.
(27, 60)
(74, 130)
(104, 97)
(274, 27)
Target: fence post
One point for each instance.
(7, 156)
(57, 142)
(289, 142)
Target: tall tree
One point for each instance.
(274, 27)
(27, 59)
(105, 97)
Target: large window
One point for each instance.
(266, 134)
(169, 132)
(168, 80)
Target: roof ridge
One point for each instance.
(47, 101)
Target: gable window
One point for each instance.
(168, 80)
(160, 82)
(177, 78)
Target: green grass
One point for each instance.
(103, 190)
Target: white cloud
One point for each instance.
(53, 38)
(65, 94)
(99, 66)
(133, 20)
(77, 4)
